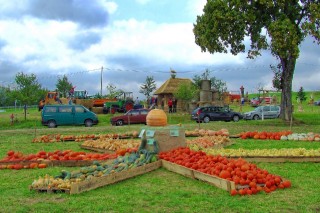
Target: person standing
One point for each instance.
(174, 105)
(162, 104)
(71, 92)
(137, 102)
(57, 98)
(170, 105)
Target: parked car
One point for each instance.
(255, 102)
(317, 103)
(58, 115)
(214, 113)
(268, 111)
(262, 100)
(133, 116)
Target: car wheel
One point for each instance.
(256, 117)
(206, 119)
(88, 123)
(52, 124)
(119, 122)
(236, 118)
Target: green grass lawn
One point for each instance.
(160, 190)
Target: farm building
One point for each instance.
(167, 90)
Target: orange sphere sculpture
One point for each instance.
(157, 117)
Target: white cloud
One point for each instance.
(110, 6)
(195, 8)
(142, 1)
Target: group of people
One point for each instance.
(56, 96)
(172, 105)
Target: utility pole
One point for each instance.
(101, 81)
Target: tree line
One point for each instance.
(29, 91)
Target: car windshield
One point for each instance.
(258, 109)
(196, 110)
(129, 112)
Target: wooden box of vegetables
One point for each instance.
(97, 182)
(98, 174)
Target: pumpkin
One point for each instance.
(42, 165)
(156, 117)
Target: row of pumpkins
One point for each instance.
(156, 117)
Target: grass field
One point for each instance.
(160, 190)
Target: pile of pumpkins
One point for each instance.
(302, 137)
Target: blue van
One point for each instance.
(58, 115)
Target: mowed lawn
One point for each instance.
(160, 190)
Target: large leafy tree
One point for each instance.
(277, 25)
(28, 89)
(63, 85)
(148, 87)
(186, 92)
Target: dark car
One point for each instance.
(133, 116)
(215, 113)
(317, 103)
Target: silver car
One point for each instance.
(269, 111)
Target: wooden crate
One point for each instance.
(49, 163)
(97, 182)
(70, 163)
(24, 163)
(279, 159)
(97, 110)
(97, 149)
(216, 181)
(178, 169)
(213, 180)
(219, 146)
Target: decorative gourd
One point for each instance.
(156, 117)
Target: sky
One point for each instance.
(122, 42)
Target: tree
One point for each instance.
(301, 95)
(186, 92)
(216, 84)
(148, 87)
(28, 89)
(63, 85)
(219, 86)
(276, 81)
(204, 76)
(5, 97)
(279, 26)
(113, 92)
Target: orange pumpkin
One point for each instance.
(156, 117)
(42, 165)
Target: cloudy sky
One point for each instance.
(130, 40)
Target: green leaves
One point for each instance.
(63, 85)
(148, 87)
(28, 88)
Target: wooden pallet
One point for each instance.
(194, 174)
(97, 149)
(279, 159)
(49, 163)
(222, 145)
(97, 182)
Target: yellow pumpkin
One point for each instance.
(157, 117)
